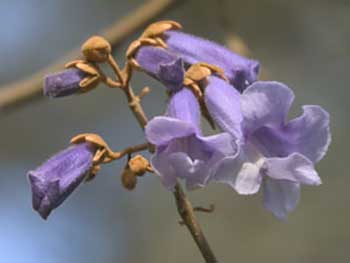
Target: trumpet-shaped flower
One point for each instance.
(274, 153)
(57, 178)
(184, 50)
(240, 71)
(181, 150)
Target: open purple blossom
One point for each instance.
(181, 150)
(63, 83)
(276, 154)
(163, 65)
(240, 71)
(56, 179)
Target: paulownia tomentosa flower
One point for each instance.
(274, 153)
(181, 149)
(240, 71)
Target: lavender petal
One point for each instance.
(294, 168)
(223, 103)
(265, 103)
(280, 197)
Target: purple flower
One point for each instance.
(276, 154)
(56, 179)
(163, 65)
(63, 83)
(239, 70)
(181, 150)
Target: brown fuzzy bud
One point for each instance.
(139, 165)
(129, 179)
(96, 49)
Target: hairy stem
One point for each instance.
(135, 106)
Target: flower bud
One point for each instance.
(63, 83)
(138, 165)
(96, 49)
(129, 179)
(59, 176)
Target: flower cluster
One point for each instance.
(264, 149)
(256, 147)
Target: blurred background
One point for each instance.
(304, 44)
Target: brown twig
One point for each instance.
(186, 212)
(30, 88)
(128, 151)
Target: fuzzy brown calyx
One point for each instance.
(194, 77)
(158, 28)
(92, 78)
(128, 179)
(96, 49)
(139, 165)
(152, 36)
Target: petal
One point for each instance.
(150, 58)
(222, 142)
(280, 196)
(184, 106)
(162, 65)
(240, 171)
(192, 171)
(37, 190)
(244, 177)
(51, 200)
(191, 158)
(248, 179)
(161, 130)
(172, 74)
(295, 168)
(308, 135)
(311, 133)
(223, 103)
(192, 49)
(164, 170)
(45, 208)
(265, 103)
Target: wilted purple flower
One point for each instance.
(56, 179)
(181, 150)
(63, 83)
(239, 70)
(162, 65)
(277, 154)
